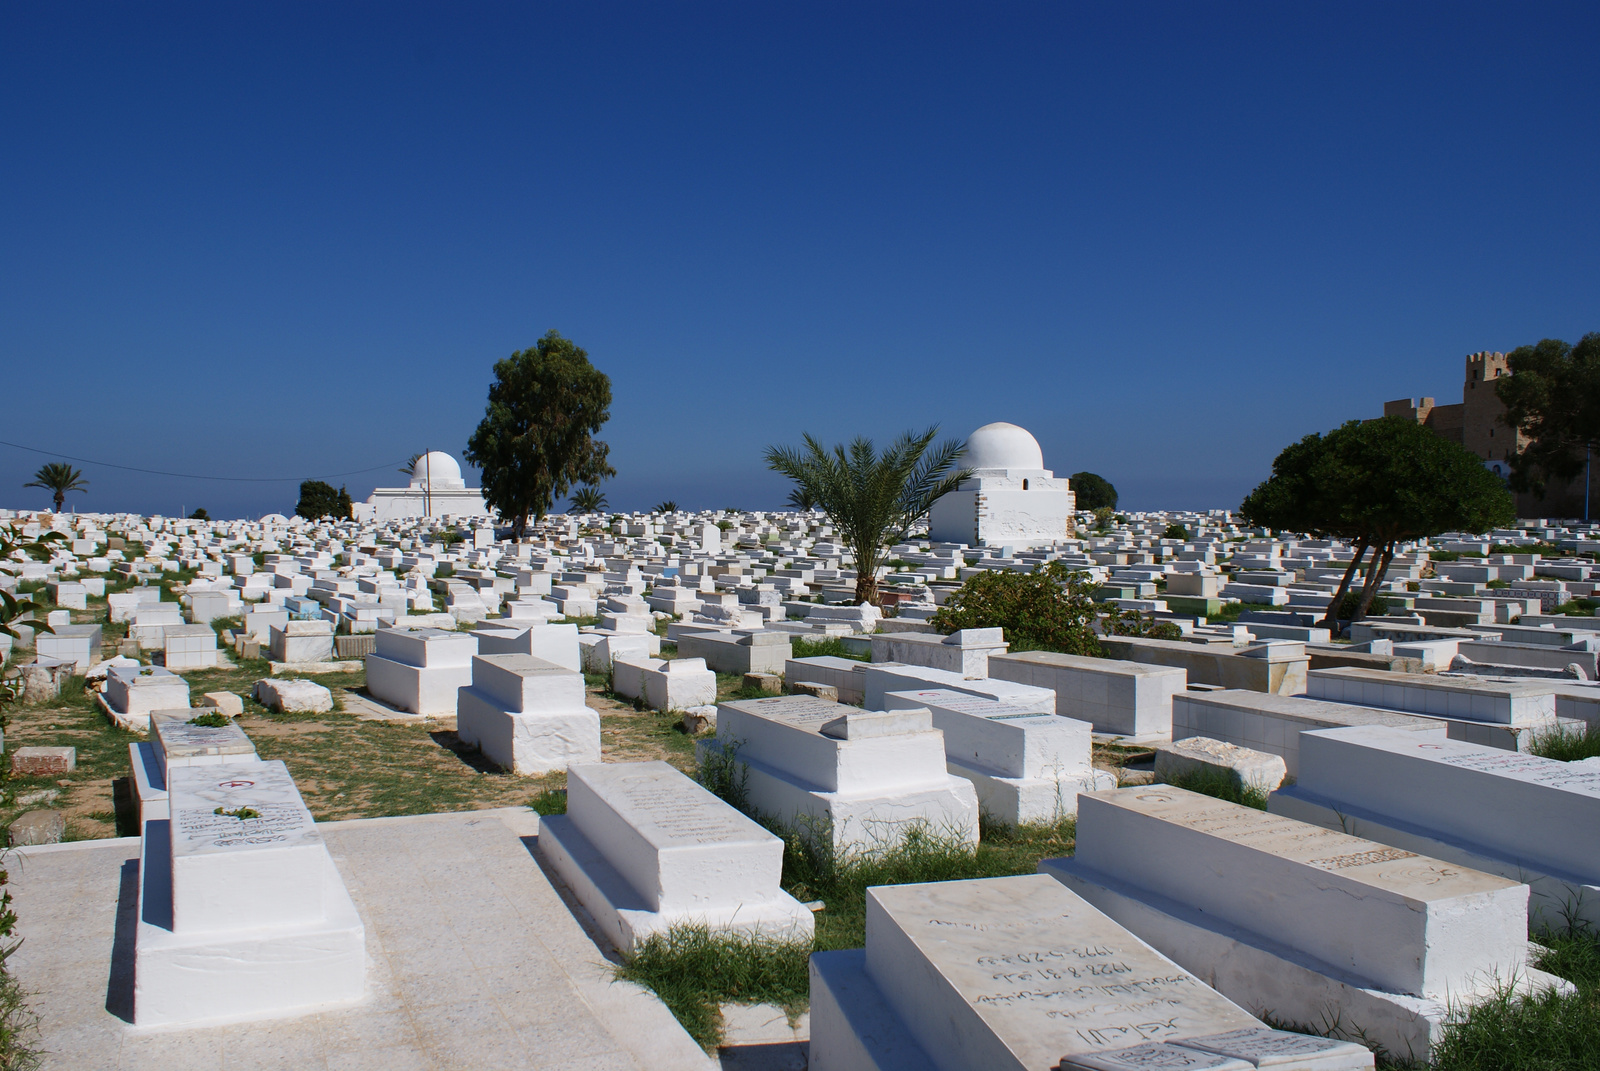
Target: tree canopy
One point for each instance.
(1553, 396)
(1093, 492)
(58, 478)
(1376, 484)
(319, 500)
(871, 498)
(536, 440)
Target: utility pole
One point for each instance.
(427, 494)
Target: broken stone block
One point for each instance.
(819, 691)
(228, 704)
(38, 827)
(1247, 768)
(294, 696)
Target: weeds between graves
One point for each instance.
(1568, 745)
(695, 971)
(1223, 786)
(804, 648)
(1543, 1032)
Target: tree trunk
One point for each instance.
(867, 586)
(1331, 617)
(1371, 587)
(61, 499)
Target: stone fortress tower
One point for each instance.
(1010, 499)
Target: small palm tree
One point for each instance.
(801, 499)
(669, 506)
(872, 498)
(58, 478)
(588, 499)
(410, 468)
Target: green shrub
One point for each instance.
(804, 648)
(1134, 623)
(1352, 602)
(210, 721)
(1049, 609)
(1175, 531)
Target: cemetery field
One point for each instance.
(345, 764)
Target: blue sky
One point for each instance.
(289, 240)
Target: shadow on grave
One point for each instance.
(119, 982)
(447, 739)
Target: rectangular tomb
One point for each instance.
(527, 715)
(1011, 973)
(862, 778)
(1527, 818)
(1026, 766)
(1128, 699)
(646, 848)
(242, 913)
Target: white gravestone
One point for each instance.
(881, 678)
(553, 643)
(176, 742)
(1025, 766)
(1524, 817)
(132, 692)
(1008, 973)
(1301, 921)
(242, 913)
(422, 670)
(527, 715)
(860, 778)
(1128, 699)
(644, 848)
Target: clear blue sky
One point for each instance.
(292, 239)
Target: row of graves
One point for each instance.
(1396, 880)
(1410, 844)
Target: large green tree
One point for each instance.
(319, 500)
(1377, 484)
(58, 478)
(1093, 491)
(872, 499)
(1553, 396)
(536, 439)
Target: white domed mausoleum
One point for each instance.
(1010, 499)
(437, 490)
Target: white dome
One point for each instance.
(439, 469)
(1002, 446)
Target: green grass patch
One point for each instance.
(804, 648)
(1547, 1031)
(550, 801)
(1577, 608)
(1223, 786)
(811, 871)
(694, 972)
(1568, 745)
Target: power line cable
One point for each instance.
(193, 476)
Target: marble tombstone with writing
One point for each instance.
(1020, 973)
(1307, 923)
(645, 848)
(859, 778)
(242, 913)
(1024, 765)
(175, 742)
(1524, 817)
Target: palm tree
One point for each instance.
(410, 468)
(58, 478)
(669, 506)
(801, 499)
(588, 499)
(872, 498)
